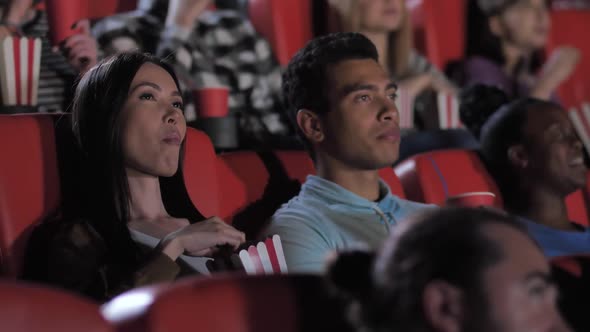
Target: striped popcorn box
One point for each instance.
(405, 107)
(266, 257)
(580, 117)
(448, 111)
(20, 61)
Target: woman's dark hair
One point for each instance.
(503, 130)
(480, 41)
(477, 103)
(385, 291)
(96, 125)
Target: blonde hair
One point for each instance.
(344, 16)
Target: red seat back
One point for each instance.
(200, 172)
(233, 303)
(29, 182)
(432, 177)
(577, 209)
(286, 24)
(568, 28)
(439, 40)
(32, 308)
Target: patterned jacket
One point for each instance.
(222, 50)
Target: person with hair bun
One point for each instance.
(453, 269)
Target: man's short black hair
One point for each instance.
(304, 81)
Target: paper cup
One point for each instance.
(472, 199)
(212, 102)
(61, 16)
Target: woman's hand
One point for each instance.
(184, 13)
(561, 64)
(201, 239)
(81, 49)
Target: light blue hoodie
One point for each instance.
(325, 217)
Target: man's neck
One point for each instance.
(547, 208)
(145, 197)
(364, 183)
(513, 55)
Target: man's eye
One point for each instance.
(178, 105)
(363, 98)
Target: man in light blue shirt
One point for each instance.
(342, 103)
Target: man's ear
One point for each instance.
(518, 156)
(444, 306)
(311, 126)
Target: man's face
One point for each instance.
(519, 291)
(361, 129)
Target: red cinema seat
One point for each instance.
(286, 24)
(200, 172)
(269, 172)
(439, 29)
(29, 182)
(577, 209)
(432, 177)
(231, 303)
(569, 27)
(33, 308)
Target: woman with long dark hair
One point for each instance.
(504, 47)
(121, 231)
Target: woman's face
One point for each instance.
(153, 123)
(381, 15)
(525, 24)
(553, 151)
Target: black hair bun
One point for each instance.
(477, 103)
(350, 273)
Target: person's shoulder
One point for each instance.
(411, 205)
(224, 18)
(76, 232)
(299, 213)
(126, 20)
(478, 62)
(297, 208)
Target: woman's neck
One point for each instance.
(145, 197)
(379, 38)
(513, 55)
(546, 208)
